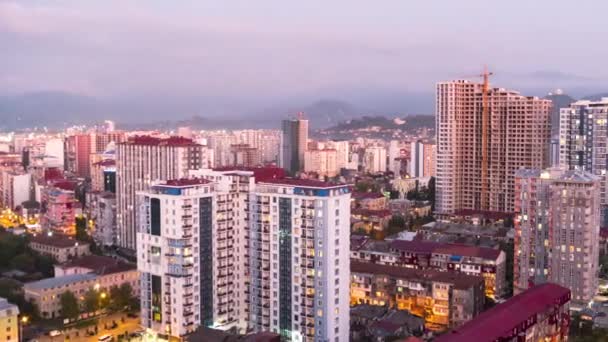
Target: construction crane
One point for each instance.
(485, 134)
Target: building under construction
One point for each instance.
(484, 135)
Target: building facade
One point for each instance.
(443, 299)
(323, 162)
(143, 160)
(538, 314)
(582, 143)
(374, 159)
(483, 136)
(294, 144)
(557, 231)
(9, 321)
(256, 251)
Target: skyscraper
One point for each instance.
(557, 230)
(483, 136)
(294, 144)
(582, 143)
(140, 162)
(422, 159)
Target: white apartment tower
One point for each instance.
(483, 136)
(246, 249)
(557, 230)
(374, 159)
(582, 143)
(140, 162)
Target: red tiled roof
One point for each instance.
(64, 184)
(101, 265)
(459, 280)
(415, 246)
(500, 321)
(154, 141)
(185, 182)
(56, 240)
(53, 173)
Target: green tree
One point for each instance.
(24, 262)
(121, 297)
(81, 229)
(395, 225)
(69, 305)
(91, 301)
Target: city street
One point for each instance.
(80, 335)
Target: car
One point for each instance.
(106, 338)
(54, 333)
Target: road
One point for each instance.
(80, 335)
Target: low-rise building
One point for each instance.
(537, 314)
(79, 276)
(9, 321)
(442, 299)
(368, 200)
(46, 293)
(379, 323)
(369, 220)
(466, 233)
(488, 263)
(60, 247)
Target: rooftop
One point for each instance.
(458, 280)
(58, 281)
(306, 183)
(371, 212)
(260, 173)
(493, 215)
(154, 141)
(100, 265)
(56, 240)
(106, 162)
(500, 321)
(432, 247)
(184, 182)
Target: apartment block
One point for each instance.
(487, 263)
(143, 160)
(538, 314)
(557, 231)
(443, 299)
(483, 136)
(247, 249)
(9, 321)
(582, 142)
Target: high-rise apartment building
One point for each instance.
(321, 161)
(582, 143)
(374, 159)
(293, 144)
(483, 136)
(557, 230)
(140, 162)
(246, 249)
(422, 159)
(77, 151)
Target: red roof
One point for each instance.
(458, 280)
(430, 247)
(371, 212)
(56, 240)
(64, 184)
(185, 182)
(260, 173)
(307, 183)
(53, 173)
(100, 264)
(154, 141)
(500, 321)
(604, 232)
(365, 195)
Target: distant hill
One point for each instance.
(559, 101)
(595, 97)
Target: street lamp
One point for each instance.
(103, 295)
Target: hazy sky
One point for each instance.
(276, 48)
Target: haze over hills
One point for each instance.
(60, 109)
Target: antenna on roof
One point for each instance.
(300, 115)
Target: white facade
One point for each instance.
(393, 153)
(374, 160)
(226, 252)
(323, 162)
(15, 188)
(53, 153)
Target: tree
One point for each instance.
(396, 224)
(69, 305)
(91, 301)
(122, 297)
(24, 262)
(81, 229)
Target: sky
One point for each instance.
(272, 51)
